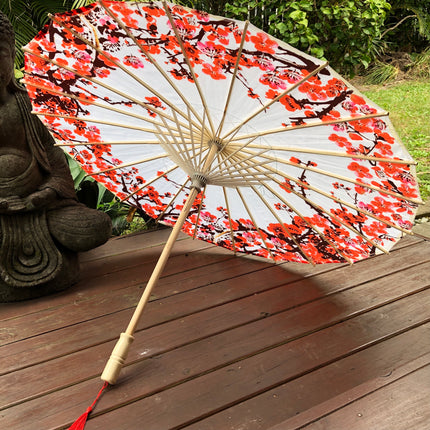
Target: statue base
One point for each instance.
(65, 278)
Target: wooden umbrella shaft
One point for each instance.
(119, 354)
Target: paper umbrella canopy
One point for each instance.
(283, 158)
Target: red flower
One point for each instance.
(357, 99)
(264, 43)
(361, 171)
(289, 103)
(213, 71)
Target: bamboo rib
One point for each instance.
(234, 177)
(330, 153)
(188, 165)
(181, 144)
(196, 224)
(281, 223)
(233, 79)
(340, 201)
(100, 105)
(309, 125)
(184, 52)
(222, 165)
(153, 62)
(255, 224)
(201, 140)
(147, 184)
(322, 235)
(113, 142)
(96, 121)
(336, 218)
(232, 154)
(193, 147)
(233, 241)
(340, 177)
(313, 227)
(268, 104)
(119, 65)
(170, 204)
(131, 163)
(175, 156)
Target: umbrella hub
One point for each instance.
(198, 181)
(218, 142)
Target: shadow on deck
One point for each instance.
(225, 343)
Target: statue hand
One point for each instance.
(40, 198)
(11, 204)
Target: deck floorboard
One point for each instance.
(226, 343)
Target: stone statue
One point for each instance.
(42, 224)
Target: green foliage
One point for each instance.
(409, 105)
(27, 18)
(420, 66)
(408, 25)
(381, 73)
(96, 196)
(343, 32)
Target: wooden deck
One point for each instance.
(226, 343)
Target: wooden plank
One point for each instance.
(199, 398)
(299, 323)
(143, 250)
(141, 263)
(92, 307)
(406, 400)
(53, 344)
(337, 402)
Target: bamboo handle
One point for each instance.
(119, 354)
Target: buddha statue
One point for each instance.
(43, 227)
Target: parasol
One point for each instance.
(214, 127)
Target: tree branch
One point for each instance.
(399, 23)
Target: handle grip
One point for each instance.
(119, 354)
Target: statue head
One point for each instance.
(7, 55)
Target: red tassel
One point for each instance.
(79, 424)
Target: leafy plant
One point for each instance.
(381, 73)
(342, 32)
(94, 195)
(420, 66)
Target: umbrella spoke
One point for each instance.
(308, 125)
(322, 235)
(196, 224)
(177, 156)
(268, 104)
(184, 52)
(281, 224)
(113, 142)
(117, 64)
(230, 223)
(154, 63)
(337, 200)
(255, 224)
(172, 200)
(340, 177)
(94, 120)
(233, 79)
(131, 163)
(312, 226)
(147, 184)
(336, 218)
(182, 146)
(331, 153)
(94, 103)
